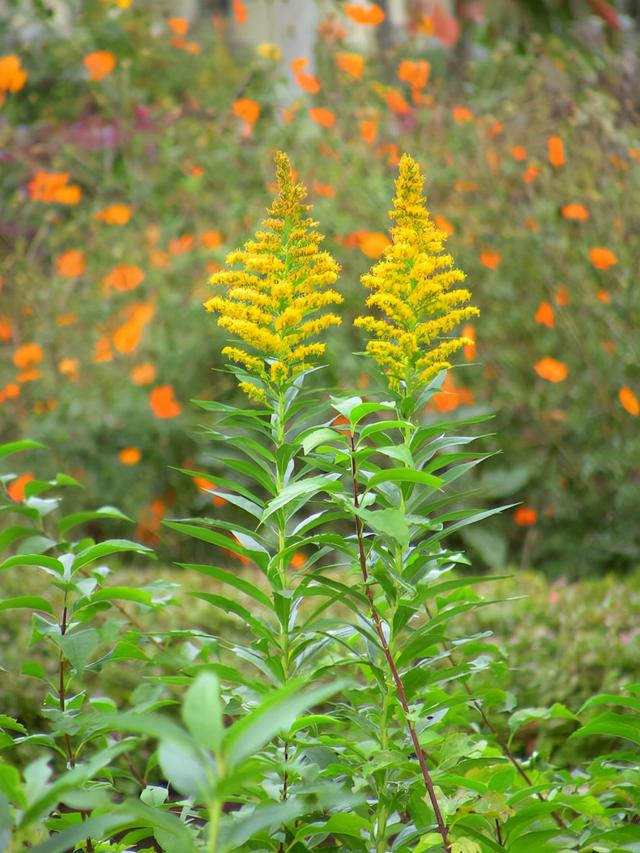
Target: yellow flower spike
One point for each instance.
(271, 303)
(413, 291)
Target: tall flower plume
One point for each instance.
(413, 290)
(271, 304)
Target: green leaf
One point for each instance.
(40, 560)
(185, 769)
(69, 521)
(277, 713)
(389, 523)
(302, 489)
(78, 647)
(202, 711)
(105, 549)
(404, 475)
(227, 577)
(324, 435)
(28, 602)
(612, 725)
(12, 447)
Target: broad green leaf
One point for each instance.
(105, 549)
(404, 475)
(389, 523)
(202, 711)
(302, 488)
(69, 521)
(324, 435)
(187, 770)
(40, 560)
(625, 726)
(28, 602)
(18, 446)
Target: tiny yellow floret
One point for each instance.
(271, 302)
(413, 292)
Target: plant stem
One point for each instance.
(377, 621)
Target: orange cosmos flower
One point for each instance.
(629, 401)
(322, 189)
(351, 63)
(322, 116)
(297, 561)
(16, 488)
(71, 263)
(129, 456)
(443, 224)
(308, 82)
(551, 369)
(396, 101)
(239, 11)
(469, 349)
(555, 151)
(603, 296)
(123, 277)
(6, 328)
(530, 173)
(525, 516)
(373, 244)
(53, 187)
(490, 259)
(12, 76)
(562, 296)
(545, 315)
(180, 245)
(519, 152)
(27, 355)
(211, 239)
(371, 14)
(369, 130)
(462, 114)
(69, 367)
(450, 396)
(577, 212)
(246, 109)
(602, 258)
(143, 374)
(127, 337)
(115, 214)
(414, 73)
(162, 402)
(180, 26)
(99, 64)
(103, 351)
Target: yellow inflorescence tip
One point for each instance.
(274, 290)
(413, 292)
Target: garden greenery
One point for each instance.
(342, 708)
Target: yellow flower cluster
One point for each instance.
(412, 290)
(272, 302)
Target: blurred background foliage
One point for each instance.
(136, 141)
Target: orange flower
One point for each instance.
(69, 367)
(53, 187)
(12, 76)
(180, 26)
(629, 401)
(322, 189)
(490, 259)
(239, 11)
(544, 315)
(603, 296)
(298, 560)
(66, 319)
(16, 488)
(103, 350)
(525, 516)
(99, 64)
(451, 396)
(555, 151)
(562, 296)
(469, 332)
(12, 390)
(461, 114)
(211, 239)
(247, 110)
(71, 263)
(27, 355)
(6, 328)
(369, 130)
(396, 101)
(414, 73)
(163, 403)
(322, 116)
(115, 214)
(143, 374)
(530, 173)
(602, 258)
(551, 369)
(443, 224)
(373, 243)
(578, 212)
(308, 82)
(28, 376)
(126, 338)
(180, 245)
(371, 14)
(519, 152)
(129, 456)
(351, 63)
(123, 277)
